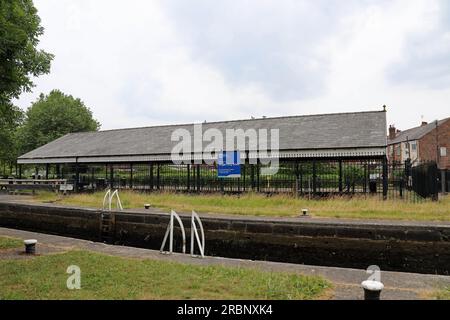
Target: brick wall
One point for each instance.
(427, 145)
(396, 152)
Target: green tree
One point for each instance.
(20, 60)
(10, 118)
(53, 116)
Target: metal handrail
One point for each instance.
(109, 196)
(169, 232)
(194, 233)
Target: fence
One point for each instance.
(306, 178)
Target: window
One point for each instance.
(443, 151)
(413, 146)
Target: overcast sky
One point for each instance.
(141, 62)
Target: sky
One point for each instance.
(148, 62)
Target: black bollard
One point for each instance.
(30, 246)
(372, 289)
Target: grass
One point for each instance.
(277, 206)
(108, 277)
(10, 243)
(443, 294)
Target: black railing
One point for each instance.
(306, 178)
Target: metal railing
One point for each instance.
(108, 198)
(307, 178)
(169, 233)
(194, 233)
(195, 237)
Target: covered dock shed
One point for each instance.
(318, 155)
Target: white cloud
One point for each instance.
(146, 62)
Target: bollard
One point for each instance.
(30, 246)
(147, 206)
(372, 289)
(305, 213)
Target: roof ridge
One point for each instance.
(427, 129)
(237, 120)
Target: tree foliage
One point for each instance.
(53, 116)
(20, 60)
(10, 118)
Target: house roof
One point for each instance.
(310, 132)
(415, 133)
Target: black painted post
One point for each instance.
(158, 176)
(239, 181)
(385, 178)
(111, 176)
(188, 177)
(301, 178)
(20, 171)
(314, 182)
(365, 178)
(257, 177)
(77, 176)
(252, 176)
(244, 179)
(401, 187)
(151, 175)
(93, 178)
(131, 176)
(47, 167)
(222, 189)
(198, 178)
(340, 177)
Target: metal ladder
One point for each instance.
(107, 220)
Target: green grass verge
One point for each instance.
(10, 243)
(278, 205)
(108, 277)
(443, 294)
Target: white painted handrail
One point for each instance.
(108, 198)
(194, 234)
(169, 233)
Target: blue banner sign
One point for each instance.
(229, 164)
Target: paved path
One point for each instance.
(347, 281)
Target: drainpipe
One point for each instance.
(437, 145)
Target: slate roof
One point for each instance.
(415, 133)
(310, 132)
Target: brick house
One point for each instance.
(428, 142)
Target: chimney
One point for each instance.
(392, 132)
(424, 123)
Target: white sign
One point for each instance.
(66, 187)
